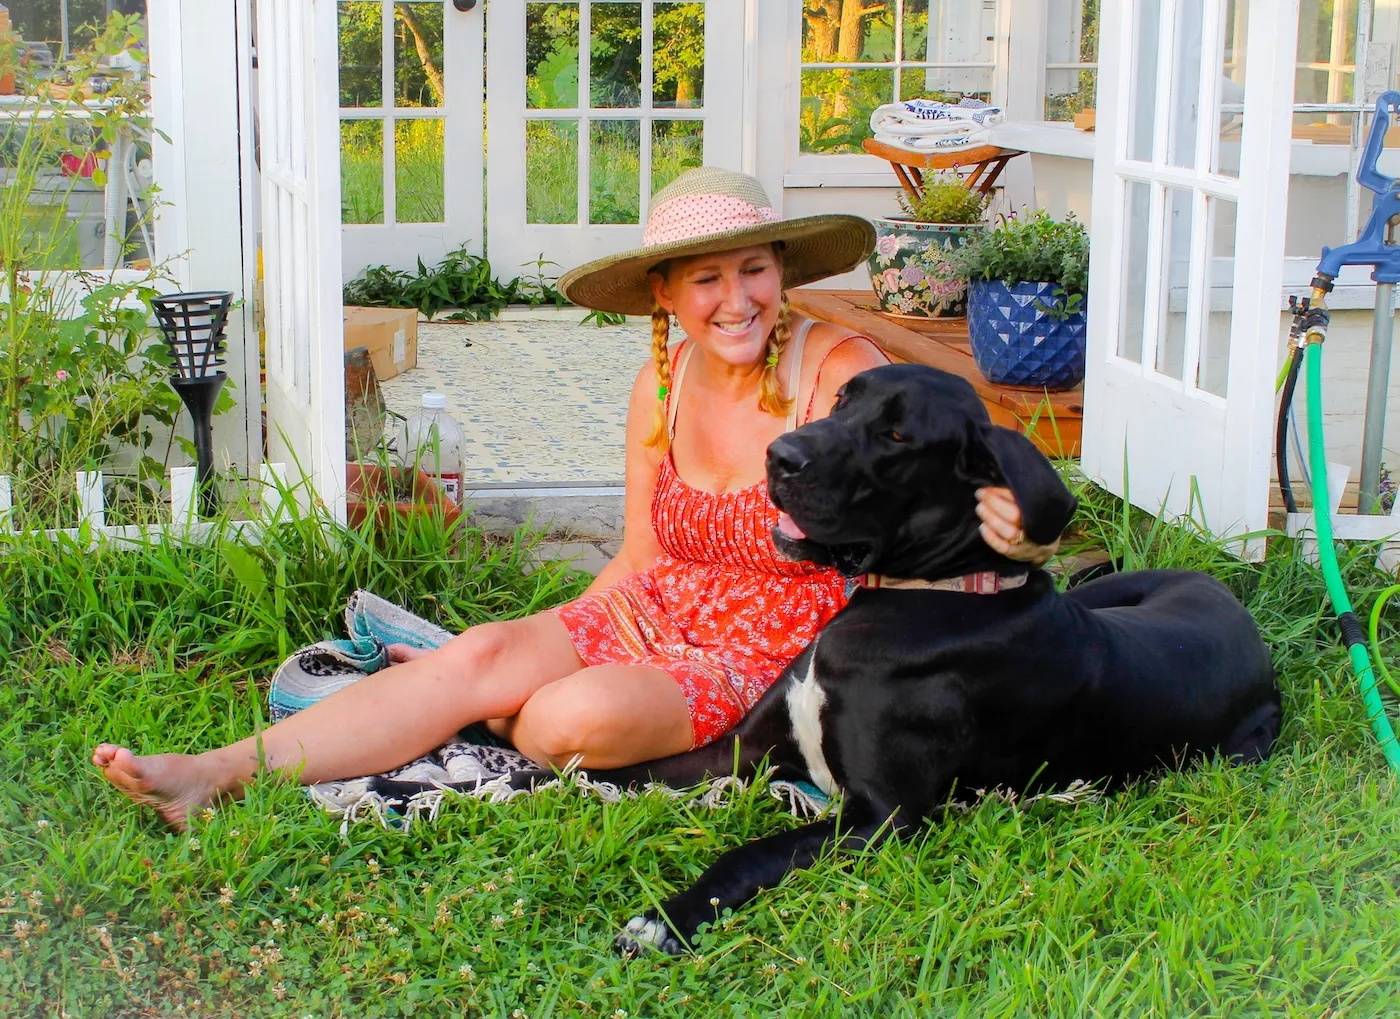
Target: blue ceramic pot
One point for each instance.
(910, 272)
(1016, 344)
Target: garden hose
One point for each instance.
(1287, 382)
(1352, 634)
(1375, 635)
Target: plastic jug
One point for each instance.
(430, 441)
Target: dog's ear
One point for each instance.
(1000, 456)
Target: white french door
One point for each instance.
(411, 100)
(305, 391)
(1190, 191)
(595, 104)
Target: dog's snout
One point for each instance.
(786, 458)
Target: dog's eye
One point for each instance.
(893, 435)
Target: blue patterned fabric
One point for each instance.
(1016, 344)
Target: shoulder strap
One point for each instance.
(816, 382)
(799, 340)
(673, 397)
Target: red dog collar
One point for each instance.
(986, 582)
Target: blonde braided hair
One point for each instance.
(660, 337)
(770, 396)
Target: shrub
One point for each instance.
(945, 201)
(1031, 249)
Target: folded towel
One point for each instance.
(926, 125)
(473, 764)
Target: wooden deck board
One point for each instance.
(943, 343)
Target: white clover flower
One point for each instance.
(226, 895)
(465, 971)
(498, 921)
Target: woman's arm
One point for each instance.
(639, 545)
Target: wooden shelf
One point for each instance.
(943, 343)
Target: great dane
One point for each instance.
(953, 668)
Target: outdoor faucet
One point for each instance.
(1371, 248)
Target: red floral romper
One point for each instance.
(720, 611)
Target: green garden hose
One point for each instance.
(1352, 634)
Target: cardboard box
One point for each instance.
(391, 334)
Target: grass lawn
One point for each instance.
(1272, 890)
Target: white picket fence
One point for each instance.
(184, 502)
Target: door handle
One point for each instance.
(464, 5)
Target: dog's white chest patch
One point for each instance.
(805, 700)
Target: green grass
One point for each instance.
(1269, 890)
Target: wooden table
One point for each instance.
(1055, 420)
(983, 164)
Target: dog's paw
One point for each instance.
(647, 932)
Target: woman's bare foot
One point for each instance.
(173, 784)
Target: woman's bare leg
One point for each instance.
(607, 716)
(378, 723)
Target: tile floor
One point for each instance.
(541, 401)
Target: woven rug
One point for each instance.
(474, 764)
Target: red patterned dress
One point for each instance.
(721, 610)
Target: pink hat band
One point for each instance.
(688, 216)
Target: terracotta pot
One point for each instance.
(368, 486)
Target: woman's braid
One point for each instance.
(660, 336)
(771, 396)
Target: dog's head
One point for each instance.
(886, 483)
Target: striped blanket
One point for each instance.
(474, 764)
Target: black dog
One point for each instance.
(916, 690)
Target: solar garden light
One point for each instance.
(193, 325)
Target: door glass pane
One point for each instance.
(1185, 94)
(1215, 340)
(418, 63)
(361, 34)
(551, 171)
(676, 146)
(958, 31)
(1136, 213)
(836, 107)
(615, 49)
(551, 56)
(915, 26)
(678, 55)
(1071, 37)
(615, 179)
(1232, 71)
(948, 84)
(1142, 110)
(418, 183)
(1176, 281)
(362, 171)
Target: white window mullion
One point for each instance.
(1207, 122)
(1156, 268)
(645, 120)
(386, 102)
(1198, 290)
(585, 102)
(1162, 95)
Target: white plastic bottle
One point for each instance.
(432, 442)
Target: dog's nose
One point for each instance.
(786, 458)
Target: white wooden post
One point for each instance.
(90, 506)
(6, 525)
(182, 497)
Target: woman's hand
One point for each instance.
(1001, 528)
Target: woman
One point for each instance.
(681, 633)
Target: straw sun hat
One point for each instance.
(707, 210)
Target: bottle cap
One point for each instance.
(434, 401)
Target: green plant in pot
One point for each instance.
(909, 267)
(1028, 281)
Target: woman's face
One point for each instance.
(726, 302)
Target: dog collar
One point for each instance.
(986, 582)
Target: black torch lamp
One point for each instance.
(193, 325)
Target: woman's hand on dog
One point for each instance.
(1001, 528)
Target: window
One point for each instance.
(859, 54)
(1071, 55)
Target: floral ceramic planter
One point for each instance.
(909, 273)
(1015, 343)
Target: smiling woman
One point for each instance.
(700, 613)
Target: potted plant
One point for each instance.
(1027, 282)
(909, 268)
(385, 492)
